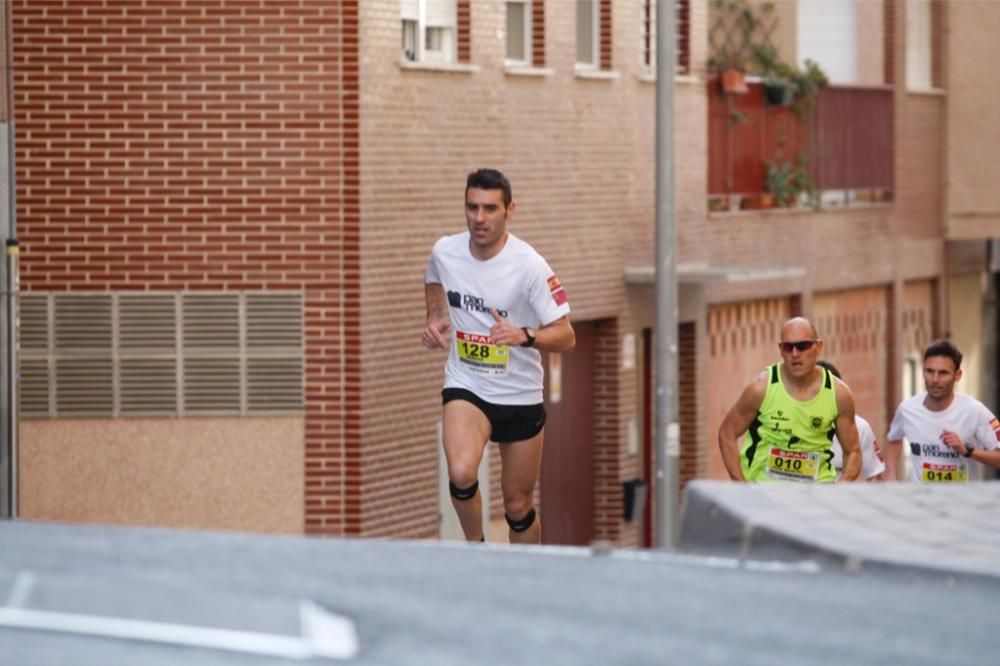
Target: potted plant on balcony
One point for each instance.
(790, 184)
(731, 68)
(732, 41)
(780, 184)
(777, 75)
(807, 82)
(806, 192)
(785, 84)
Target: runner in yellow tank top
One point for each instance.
(790, 412)
(790, 440)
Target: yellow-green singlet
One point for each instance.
(790, 439)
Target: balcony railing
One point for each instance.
(844, 143)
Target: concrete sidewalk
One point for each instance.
(955, 530)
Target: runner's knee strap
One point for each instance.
(463, 493)
(524, 523)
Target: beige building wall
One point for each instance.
(869, 46)
(965, 301)
(579, 153)
(918, 320)
(743, 341)
(969, 151)
(208, 473)
(853, 325)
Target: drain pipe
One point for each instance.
(8, 316)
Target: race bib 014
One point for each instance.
(943, 473)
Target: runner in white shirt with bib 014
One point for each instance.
(944, 429)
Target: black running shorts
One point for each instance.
(510, 423)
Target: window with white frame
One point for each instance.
(919, 48)
(519, 32)
(428, 30)
(827, 33)
(588, 34)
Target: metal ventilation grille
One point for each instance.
(211, 322)
(34, 322)
(148, 386)
(83, 322)
(84, 387)
(147, 321)
(211, 386)
(274, 320)
(274, 384)
(34, 388)
(161, 354)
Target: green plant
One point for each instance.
(804, 84)
(779, 182)
(732, 40)
(808, 83)
(803, 184)
(787, 181)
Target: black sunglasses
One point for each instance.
(801, 345)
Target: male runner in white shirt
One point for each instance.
(493, 302)
(944, 429)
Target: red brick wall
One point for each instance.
(606, 34)
(538, 33)
(694, 458)
(889, 45)
(608, 431)
(180, 145)
(464, 21)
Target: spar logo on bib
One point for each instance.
(558, 291)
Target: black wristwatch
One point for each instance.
(530, 334)
(968, 451)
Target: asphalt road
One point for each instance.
(425, 603)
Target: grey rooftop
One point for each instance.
(953, 530)
(72, 594)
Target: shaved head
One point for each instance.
(798, 328)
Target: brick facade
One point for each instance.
(204, 146)
(259, 145)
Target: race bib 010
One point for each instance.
(793, 465)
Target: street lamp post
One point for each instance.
(667, 428)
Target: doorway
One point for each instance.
(567, 479)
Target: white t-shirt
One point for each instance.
(933, 460)
(521, 286)
(871, 464)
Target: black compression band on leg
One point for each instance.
(524, 523)
(463, 493)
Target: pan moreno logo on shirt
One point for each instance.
(471, 303)
(932, 451)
